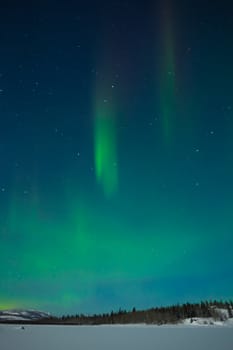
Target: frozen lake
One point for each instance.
(115, 337)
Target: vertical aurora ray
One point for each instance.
(167, 72)
(104, 99)
(105, 146)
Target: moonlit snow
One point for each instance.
(135, 337)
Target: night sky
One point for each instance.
(116, 154)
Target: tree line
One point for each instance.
(158, 315)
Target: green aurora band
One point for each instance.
(82, 246)
(105, 148)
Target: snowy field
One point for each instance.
(116, 337)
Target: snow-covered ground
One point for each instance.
(135, 337)
(209, 321)
(198, 321)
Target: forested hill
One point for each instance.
(205, 312)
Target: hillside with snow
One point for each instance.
(224, 318)
(23, 315)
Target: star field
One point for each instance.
(116, 154)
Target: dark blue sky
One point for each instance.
(116, 153)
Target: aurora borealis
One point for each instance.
(105, 145)
(116, 182)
